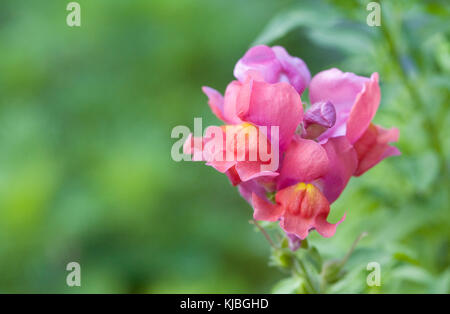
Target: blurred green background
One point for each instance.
(85, 168)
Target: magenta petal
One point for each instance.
(364, 109)
(321, 113)
(336, 86)
(264, 210)
(246, 189)
(304, 161)
(275, 105)
(294, 242)
(343, 162)
(259, 58)
(295, 69)
(341, 89)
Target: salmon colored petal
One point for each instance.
(324, 228)
(304, 161)
(232, 95)
(264, 210)
(275, 105)
(248, 170)
(343, 162)
(296, 225)
(364, 109)
(373, 147)
(306, 208)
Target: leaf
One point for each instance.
(289, 286)
(334, 31)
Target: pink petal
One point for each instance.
(275, 105)
(343, 163)
(341, 89)
(318, 119)
(305, 209)
(324, 228)
(259, 58)
(297, 225)
(248, 170)
(215, 102)
(304, 161)
(264, 210)
(364, 109)
(294, 241)
(246, 189)
(230, 109)
(296, 71)
(373, 147)
(336, 86)
(322, 113)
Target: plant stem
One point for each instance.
(264, 232)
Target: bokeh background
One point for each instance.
(85, 121)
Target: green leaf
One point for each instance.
(289, 285)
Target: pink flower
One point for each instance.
(372, 147)
(254, 103)
(318, 118)
(319, 150)
(299, 208)
(238, 156)
(260, 103)
(354, 97)
(275, 65)
(356, 100)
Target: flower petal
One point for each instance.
(342, 90)
(343, 162)
(373, 147)
(305, 209)
(295, 69)
(304, 161)
(322, 113)
(248, 170)
(246, 189)
(264, 210)
(215, 102)
(336, 86)
(324, 228)
(364, 109)
(262, 59)
(276, 105)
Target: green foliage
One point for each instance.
(85, 168)
(403, 203)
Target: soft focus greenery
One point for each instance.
(85, 168)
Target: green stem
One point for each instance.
(304, 274)
(264, 232)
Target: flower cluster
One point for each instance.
(319, 148)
